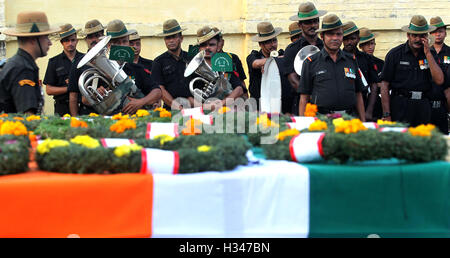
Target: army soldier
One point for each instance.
(440, 95)
(20, 90)
(330, 78)
(93, 30)
(168, 68)
(308, 21)
(57, 75)
(238, 70)
(409, 70)
(268, 42)
(208, 40)
(366, 66)
(294, 32)
(367, 45)
(135, 42)
(120, 37)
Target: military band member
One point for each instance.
(330, 78)
(440, 95)
(366, 66)
(20, 89)
(56, 77)
(308, 21)
(135, 42)
(168, 68)
(409, 70)
(93, 30)
(268, 42)
(294, 32)
(208, 40)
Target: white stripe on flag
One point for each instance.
(192, 111)
(156, 161)
(115, 142)
(301, 122)
(155, 129)
(269, 200)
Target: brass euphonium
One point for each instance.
(210, 84)
(117, 83)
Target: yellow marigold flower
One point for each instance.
(14, 128)
(142, 113)
(337, 121)
(86, 141)
(318, 125)
(122, 125)
(287, 133)
(265, 122)
(204, 148)
(422, 130)
(165, 113)
(163, 138)
(311, 110)
(347, 127)
(125, 150)
(33, 117)
(67, 115)
(49, 144)
(382, 122)
(77, 123)
(93, 115)
(120, 117)
(224, 109)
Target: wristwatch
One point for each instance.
(386, 114)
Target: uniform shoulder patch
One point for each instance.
(27, 82)
(147, 71)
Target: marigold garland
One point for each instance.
(224, 109)
(86, 141)
(347, 127)
(120, 116)
(165, 113)
(142, 113)
(49, 144)
(163, 138)
(14, 128)
(318, 125)
(422, 130)
(33, 117)
(204, 148)
(78, 123)
(287, 133)
(383, 122)
(160, 109)
(18, 118)
(265, 122)
(311, 110)
(125, 150)
(93, 115)
(122, 125)
(4, 115)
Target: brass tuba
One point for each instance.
(118, 84)
(210, 83)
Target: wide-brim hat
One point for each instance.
(30, 24)
(294, 30)
(67, 30)
(171, 27)
(117, 29)
(92, 27)
(418, 25)
(366, 35)
(307, 11)
(437, 22)
(206, 33)
(266, 31)
(134, 35)
(331, 22)
(350, 28)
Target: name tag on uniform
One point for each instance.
(404, 62)
(423, 64)
(350, 73)
(321, 72)
(446, 59)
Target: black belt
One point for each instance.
(417, 95)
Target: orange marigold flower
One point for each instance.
(122, 125)
(311, 110)
(120, 117)
(77, 123)
(18, 118)
(422, 130)
(4, 115)
(165, 113)
(287, 133)
(347, 127)
(160, 109)
(14, 128)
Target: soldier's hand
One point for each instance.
(132, 106)
(101, 90)
(426, 46)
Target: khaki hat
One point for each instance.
(134, 35)
(365, 35)
(294, 30)
(437, 22)
(307, 11)
(30, 24)
(331, 22)
(171, 27)
(117, 29)
(215, 29)
(350, 28)
(66, 31)
(266, 31)
(418, 25)
(205, 33)
(92, 27)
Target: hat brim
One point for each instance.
(430, 29)
(329, 29)
(293, 35)
(257, 38)
(13, 32)
(171, 33)
(208, 38)
(351, 32)
(442, 26)
(369, 39)
(296, 18)
(128, 33)
(75, 32)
